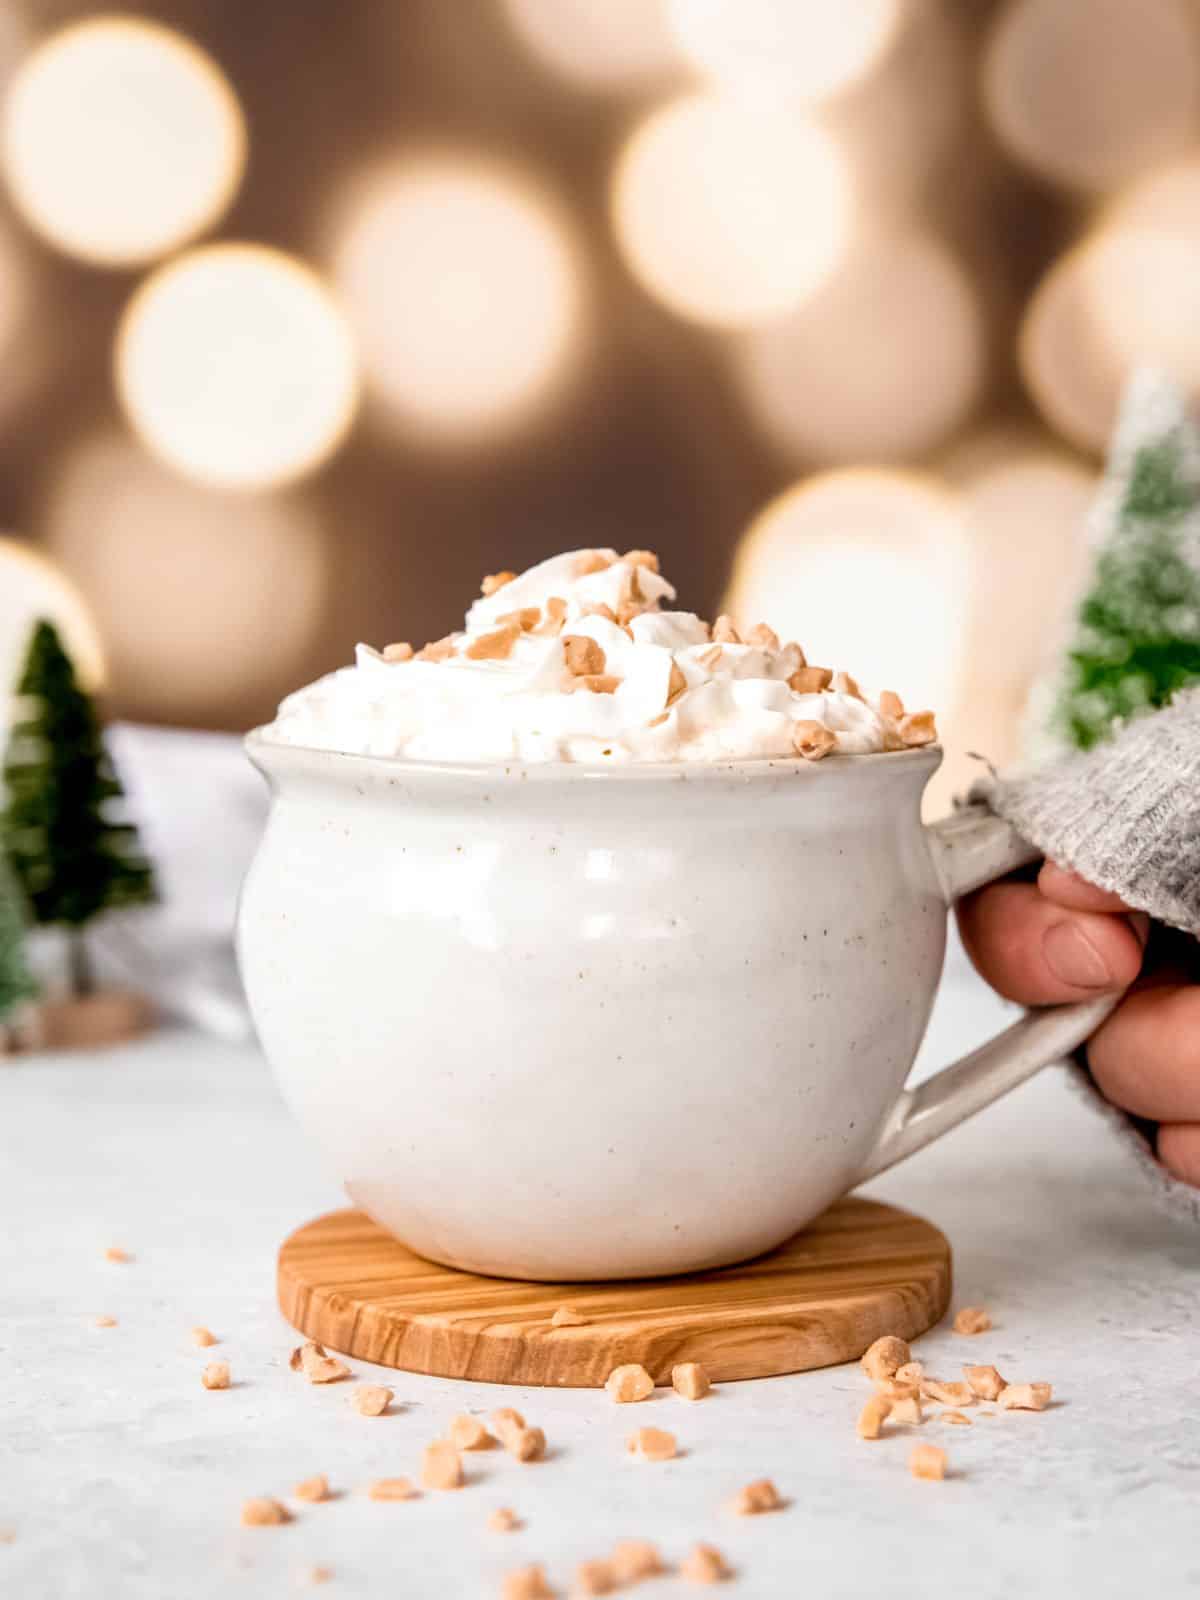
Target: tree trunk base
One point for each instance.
(93, 1021)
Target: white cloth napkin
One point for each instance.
(200, 808)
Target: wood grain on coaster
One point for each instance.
(862, 1270)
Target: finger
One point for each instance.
(1077, 894)
(1146, 1057)
(1179, 1150)
(1036, 952)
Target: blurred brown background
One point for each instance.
(862, 278)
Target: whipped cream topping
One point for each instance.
(577, 660)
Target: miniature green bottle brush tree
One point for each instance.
(64, 857)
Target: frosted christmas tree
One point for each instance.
(1135, 641)
(74, 859)
(16, 982)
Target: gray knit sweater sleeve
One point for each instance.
(1125, 816)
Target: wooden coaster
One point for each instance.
(861, 1270)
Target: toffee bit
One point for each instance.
(437, 649)
(629, 1383)
(813, 740)
(757, 1498)
(567, 1317)
(1024, 1397)
(441, 1467)
(652, 1444)
(873, 1416)
(316, 1364)
(916, 729)
(527, 1583)
(495, 646)
(593, 1577)
(263, 1512)
(582, 656)
(526, 1444)
(371, 1400)
(525, 620)
(970, 1319)
(927, 1461)
(810, 680)
(704, 1563)
(690, 1380)
(635, 1559)
(391, 1489)
(468, 1433)
(985, 1382)
(494, 581)
(885, 1357)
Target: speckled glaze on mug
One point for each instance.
(560, 1022)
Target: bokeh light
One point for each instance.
(228, 589)
(1091, 92)
(1164, 201)
(869, 570)
(121, 140)
(1123, 297)
(235, 366)
(800, 49)
(32, 587)
(730, 211)
(464, 286)
(620, 44)
(15, 293)
(1026, 518)
(882, 363)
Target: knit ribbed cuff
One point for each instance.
(1125, 816)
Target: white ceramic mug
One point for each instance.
(556, 1022)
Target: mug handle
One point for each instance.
(970, 848)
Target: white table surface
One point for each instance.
(120, 1476)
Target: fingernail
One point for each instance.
(1073, 958)
(1140, 923)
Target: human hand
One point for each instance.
(1062, 939)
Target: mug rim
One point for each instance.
(928, 756)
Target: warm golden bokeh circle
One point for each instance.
(236, 367)
(1122, 298)
(791, 48)
(868, 569)
(729, 210)
(465, 287)
(619, 44)
(1026, 518)
(882, 363)
(121, 140)
(229, 590)
(1092, 92)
